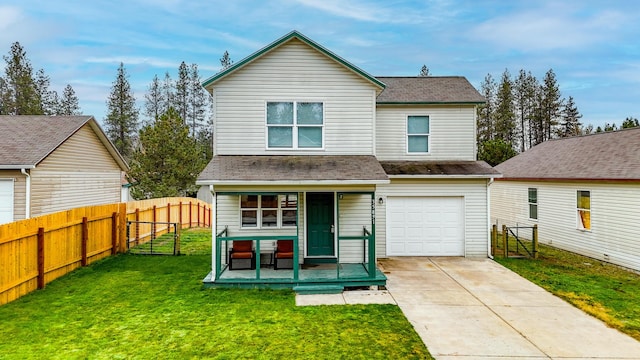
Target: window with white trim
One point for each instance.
(584, 209)
(295, 125)
(268, 211)
(533, 203)
(418, 133)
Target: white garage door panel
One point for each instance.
(6, 201)
(425, 226)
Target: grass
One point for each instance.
(608, 292)
(148, 307)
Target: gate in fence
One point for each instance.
(517, 241)
(153, 237)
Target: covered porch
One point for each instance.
(327, 225)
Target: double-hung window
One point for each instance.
(268, 211)
(295, 125)
(418, 133)
(533, 203)
(584, 209)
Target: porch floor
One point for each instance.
(347, 275)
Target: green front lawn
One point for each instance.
(605, 291)
(148, 307)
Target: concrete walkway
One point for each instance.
(477, 309)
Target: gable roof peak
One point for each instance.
(294, 34)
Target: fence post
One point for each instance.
(494, 239)
(122, 244)
(137, 226)
(168, 214)
(504, 240)
(190, 214)
(40, 258)
(114, 233)
(198, 215)
(180, 213)
(85, 236)
(153, 224)
(535, 241)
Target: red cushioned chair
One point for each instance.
(284, 250)
(242, 250)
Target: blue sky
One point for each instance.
(592, 45)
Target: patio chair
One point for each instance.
(242, 251)
(284, 251)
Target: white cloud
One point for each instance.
(368, 12)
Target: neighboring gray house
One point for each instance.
(583, 192)
(55, 163)
(310, 147)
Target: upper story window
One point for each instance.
(533, 203)
(295, 125)
(418, 130)
(584, 209)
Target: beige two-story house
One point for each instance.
(346, 166)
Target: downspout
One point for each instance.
(27, 201)
(489, 216)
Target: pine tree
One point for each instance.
(494, 152)
(505, 115)
(49, 102)
(182, 92)
(154, 101)
(121, 123)
(225, 61)
(424, 71)
(20, 95)
(524, 92)
(551, 104)
(168, 93)
(570, 125)
(69, 104)
(197, 104)
(164, 168)
(485, 112)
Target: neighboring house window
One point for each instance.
(533, 203)
(584, 210)
(418, 134)
(268, 211)
(295, 125)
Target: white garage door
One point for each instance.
(425, 226)
(6, 201)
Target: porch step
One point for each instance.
(318, 289)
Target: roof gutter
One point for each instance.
(474, 176)
(291, 182)
(27, 201)
(16, 167)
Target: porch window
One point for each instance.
(268, 211)
(418, 131)
(584, 209)
(295, 125)
(533, 203)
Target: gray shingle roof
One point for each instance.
(292, 168)
(439, 168)
(603, 156)
(428, 90)
(26, 140)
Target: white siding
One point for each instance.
(294, 72)
(510, 203)
(615, 209)
(355, 213)
(81, 172)
(19, 191)
(474, 192)
(452, 132)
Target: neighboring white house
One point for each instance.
(583, 192)
(310, 146)
(55, 163)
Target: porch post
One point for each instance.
(296, 246)
(372, 238)
(215, 259)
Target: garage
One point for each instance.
(6, 201)
(425, 226)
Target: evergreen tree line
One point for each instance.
(173, 142)
(23, 92)
(521, 112)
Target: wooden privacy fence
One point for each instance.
(34, 252)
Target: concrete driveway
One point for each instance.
(478, 309)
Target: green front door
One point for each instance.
(320, 224)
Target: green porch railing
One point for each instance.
(258, 239)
